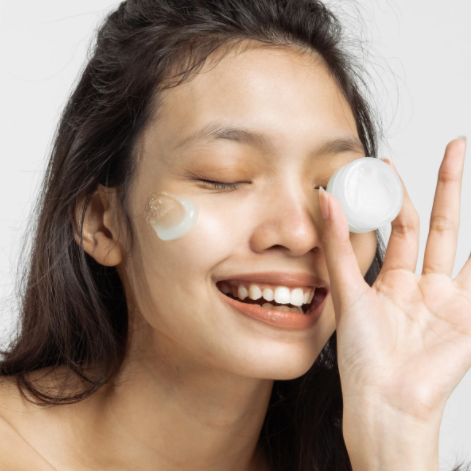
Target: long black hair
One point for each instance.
(73, 310)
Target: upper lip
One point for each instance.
(278, 278)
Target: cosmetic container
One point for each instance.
(369, 191)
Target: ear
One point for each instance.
(101, 228)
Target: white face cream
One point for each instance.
(369, 192)
(171, 216)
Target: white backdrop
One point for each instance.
(420, 64)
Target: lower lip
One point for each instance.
(280, 319)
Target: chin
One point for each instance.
(282, 361)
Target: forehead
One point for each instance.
(283, 93)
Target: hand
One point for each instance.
(405, 341)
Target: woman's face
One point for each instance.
(270, 223)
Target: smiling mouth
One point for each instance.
(318, 296)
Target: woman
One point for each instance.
(134, 343)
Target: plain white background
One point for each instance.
(420, 66)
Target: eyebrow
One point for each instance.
(214, 131)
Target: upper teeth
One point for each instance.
(281, 294)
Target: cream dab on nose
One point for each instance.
(171, 216)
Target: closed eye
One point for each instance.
(223, 185)
(233, 186)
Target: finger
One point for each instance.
(346, 280)
(442, 240)
(403, 246)
(463, 280)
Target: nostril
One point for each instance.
(277, 246)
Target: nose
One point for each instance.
(289, 219)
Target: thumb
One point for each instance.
(346, 280)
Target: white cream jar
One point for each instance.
(369, 192)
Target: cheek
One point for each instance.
(215, 237)
(171, 281)
(182, 268)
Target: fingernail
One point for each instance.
(465, 139)
(324, 203)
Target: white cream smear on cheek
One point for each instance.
(171, 216)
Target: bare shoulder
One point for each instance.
(16, 454)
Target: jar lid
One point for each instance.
(370, 193)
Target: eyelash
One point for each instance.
(235, 186)
(222, 185)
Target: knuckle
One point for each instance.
(405, 229)
(440, 223)
(448, 177)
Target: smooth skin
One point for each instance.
(195, 386)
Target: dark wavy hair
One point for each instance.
(73, 310)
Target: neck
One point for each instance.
(169, 410)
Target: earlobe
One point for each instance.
(104, 250)
(100, 228)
